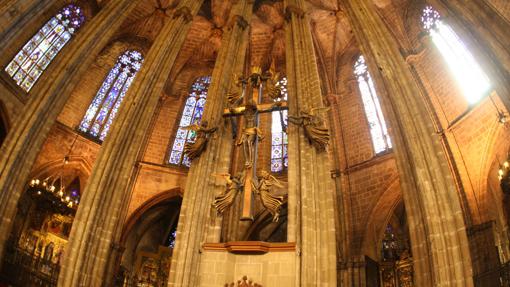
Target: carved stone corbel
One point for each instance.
(185, 12)
(240, 21)
(293, 9)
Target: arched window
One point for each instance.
(380, 138)
(28, 65)
(279, 140)
(192, 113)
(105, 105)
(470, 76)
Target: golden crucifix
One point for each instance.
(252, 87)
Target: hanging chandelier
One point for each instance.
(504, 175)
(52, 192)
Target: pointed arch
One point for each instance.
(191, 114)
(378, 130)
(472, 80)
(35, 56)
(106, 103)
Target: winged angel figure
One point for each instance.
(203, 133)
(271, 88)
(263, 188)
(234, 185)
(314, 128)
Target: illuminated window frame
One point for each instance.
(279, 139)
(472, 80)
(191, 113)
(378, 130)
(33, 59)
(104, 107)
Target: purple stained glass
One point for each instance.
(278, 136)
(191, 114)
(104, 107)
(29, 64)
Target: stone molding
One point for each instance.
(244, 247)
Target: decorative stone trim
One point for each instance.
(258, 247)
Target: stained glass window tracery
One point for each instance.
(31, 61)
(470, 76)
(279, 140)
(378, 130)
(106, 103)
(192, 113)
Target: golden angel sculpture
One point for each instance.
(203, 133)
(264, 189)
(271, 88)
(234, 185)
(317, 134)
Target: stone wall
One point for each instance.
(274, 269)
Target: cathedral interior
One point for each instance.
(255, 143)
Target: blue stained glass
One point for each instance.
(29, 63)
(191, 101)
(181, 134)
(104, 107)
(186, 161)
(278, 136)
(185, 121)
(192, 113)
(188, 111)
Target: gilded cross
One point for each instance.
(252, 89)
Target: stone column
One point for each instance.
(311, 222)
(46, 100)
(16, 14)
(98, 222)
(487, 35)
(197, 221)
(438, 233)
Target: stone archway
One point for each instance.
(148, 240)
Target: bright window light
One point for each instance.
(470, 76)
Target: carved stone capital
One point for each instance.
(290, 9)
(183, 12)
(332, 99)
(240, 21)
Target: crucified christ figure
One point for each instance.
(251, 133)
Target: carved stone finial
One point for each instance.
(185, 12)
(293, 9)
(240, 21)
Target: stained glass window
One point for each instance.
(192, 113)
(105, 105)
(28, 65)
(470, 76)
(279, 140)
(378, 130)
